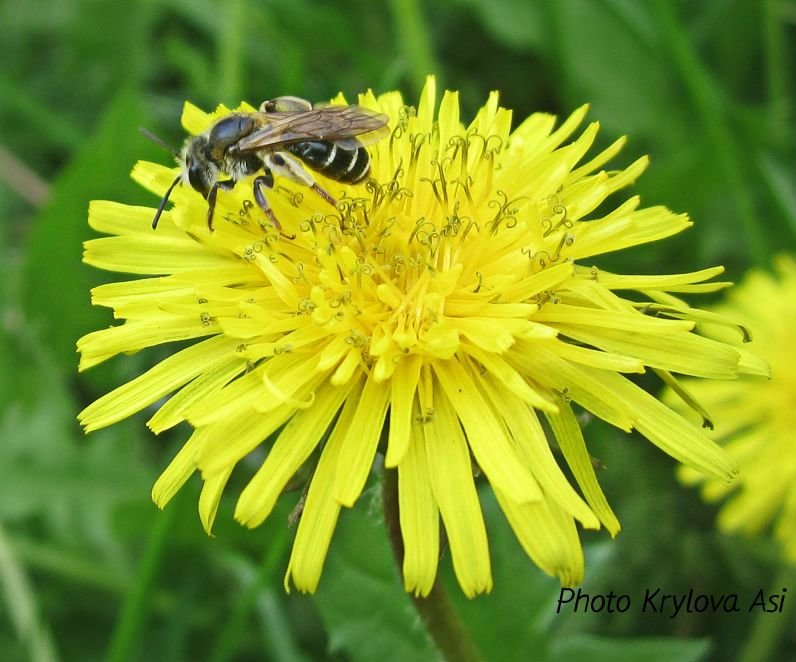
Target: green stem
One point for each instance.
(258, 595)
(415, 40)
(21, 606)
(777, 74)
(231, 60)
(709, 108)
(769, 628)
(436, 611)
(127, 632)
(558, 59)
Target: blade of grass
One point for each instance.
(768, 633)
(231, 37)
(51, 125)
(258, 595)
(277, 628)
(415, 41)
(20, 599)
(777, 75)
(22, 180)
(779, 186)
(709, 110)
(127, 632)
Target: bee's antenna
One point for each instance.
(158, 141)
(164, 201)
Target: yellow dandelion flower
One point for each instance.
(755, 420)
(441, 315)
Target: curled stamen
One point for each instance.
(470, 225)
(480, 278)
(398, 264)
(423, 231)
(506, 212)
(357, 340)
(300, 275)
(441, 170)
(464, 184)
(558, 209)
(245, 211)
(311, 224)
(306, 306)
(491, 152)
(538, 259)
(404, 114)
(566, 240)
(416, 142)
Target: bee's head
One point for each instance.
(198, 169)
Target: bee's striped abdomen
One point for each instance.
(343, 165)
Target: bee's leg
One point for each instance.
(267, 181)
(324, 194)
(226, 185)
(287, 165)
(285, 105)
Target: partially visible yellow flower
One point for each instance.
(446, 314)
(755, 420)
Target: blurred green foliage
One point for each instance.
(90, 570)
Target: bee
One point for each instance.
(285, 134)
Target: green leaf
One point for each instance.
(361, 598)
(779, 183)
(609, 56)
(21, 605)
(55, 285)
(516, 23)
(591, 648)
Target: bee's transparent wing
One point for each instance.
(347, 126)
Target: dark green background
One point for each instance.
(90, 570)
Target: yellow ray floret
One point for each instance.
(754, 419)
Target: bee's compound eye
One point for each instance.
(198, 176)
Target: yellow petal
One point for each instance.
(419, 517)
(548, 536)
(454, 491)
(684, 353)
(150, 255)
(291, 449)
(530, 438)
(361, 439)
(210, 382)
(321, 509)
(210, 497)
(165, 377)
(402, 393)
(570, 440)
(180, 469)
(488, 439)
(132, 336)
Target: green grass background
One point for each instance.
(90, 570)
